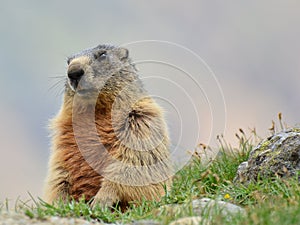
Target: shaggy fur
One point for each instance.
(113, 147)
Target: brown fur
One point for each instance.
(129, 127)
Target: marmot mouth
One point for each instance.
(78, 89)
(73, 84)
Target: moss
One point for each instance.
(274, 159)
(296, 129)
(265, 145)
(261, 148)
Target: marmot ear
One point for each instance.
(123, 53)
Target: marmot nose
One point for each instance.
(75, 72)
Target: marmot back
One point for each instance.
(109, 140)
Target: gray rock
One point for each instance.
(145, 222)
(201, 207)
(19, 218)
(278, 155)
(194, 220)
(209, 205)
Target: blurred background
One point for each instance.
(252, 47)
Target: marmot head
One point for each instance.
(97, 69)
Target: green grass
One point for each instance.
(269, 201)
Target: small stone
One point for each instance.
(195, 220)
(145, 222)
(19, 218)
(54, 219)
(200, 205)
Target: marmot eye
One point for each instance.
(100, 55)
